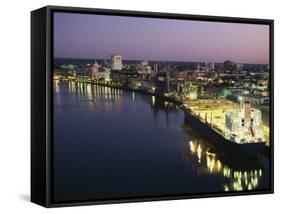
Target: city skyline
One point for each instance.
(99, 36)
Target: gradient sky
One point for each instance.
(98, 36)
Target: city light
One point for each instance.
(232, 114)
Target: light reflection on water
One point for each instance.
(237, 179)
(90, 93)
(200, 166)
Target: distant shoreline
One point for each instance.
(153, 60)
(141, 91)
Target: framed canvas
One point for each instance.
(131, 106)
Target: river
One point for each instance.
(110, 143)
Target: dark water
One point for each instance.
(110, 143)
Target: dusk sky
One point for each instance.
(99, 36)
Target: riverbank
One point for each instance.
(141, 91)
(209, 131)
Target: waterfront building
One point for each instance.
(244, 125)
(100, 73)
(116, 62)
(135, 83)
(95, 69)
(104, 76)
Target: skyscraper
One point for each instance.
(116, 62)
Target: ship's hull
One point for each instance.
(220, 141)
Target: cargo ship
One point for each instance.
(238, 132)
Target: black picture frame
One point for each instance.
(42, 111)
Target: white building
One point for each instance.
(244, 125)
(144, 63)
(100, 73)
(144, 68)
(95, 69)
(103, 76)
(116, 62)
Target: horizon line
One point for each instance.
(162, 60)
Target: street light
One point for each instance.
(240, 98)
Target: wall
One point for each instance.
(15, 105)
